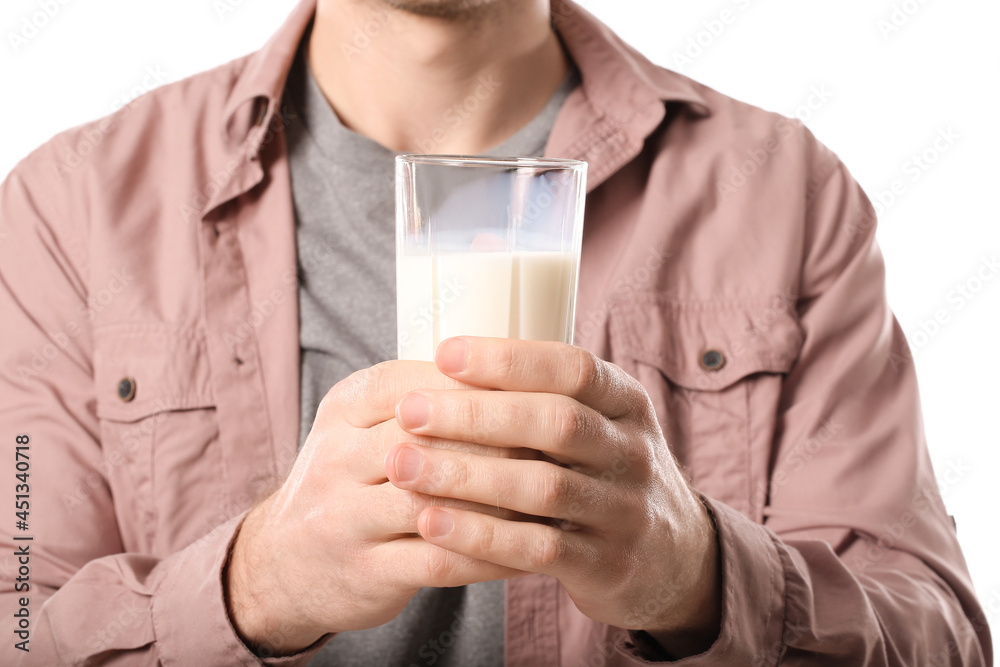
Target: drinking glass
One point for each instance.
(486, 246)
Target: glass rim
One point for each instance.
(491, 161)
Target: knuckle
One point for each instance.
(644, 408)
(505, 362)
(569, 423)
(356, 386)
(438, 566)
(643, 452)
(586, 370)
(486, 539)
(550, 551)
(374, 379)
(555, 489)
(454, 475)
(413, 503)
(470, 413)
(333, 398)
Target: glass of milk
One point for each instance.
(486, 246)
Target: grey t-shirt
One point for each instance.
(343, 196)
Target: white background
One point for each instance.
(890, 88)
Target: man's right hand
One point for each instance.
(336, 547)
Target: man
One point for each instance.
(728, 470)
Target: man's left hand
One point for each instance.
(611, 515)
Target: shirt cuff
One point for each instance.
(190, 620)
(753, 599)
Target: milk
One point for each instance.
(524, 295)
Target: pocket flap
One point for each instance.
(707, 345)
(164, 368)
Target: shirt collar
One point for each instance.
(619, 82)
(254, 98)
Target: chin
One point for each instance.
(442, 8)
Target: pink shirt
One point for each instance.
(729, 264)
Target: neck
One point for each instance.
(458, 81)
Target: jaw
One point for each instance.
(444, 9)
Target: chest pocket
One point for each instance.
(713, 371)
(159, 433)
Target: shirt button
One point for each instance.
(126, 389)
(713, 360)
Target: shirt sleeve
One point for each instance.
(87, 602)
(857, 562)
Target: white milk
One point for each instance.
(525, 295)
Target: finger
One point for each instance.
(565, 429)
(537, 366)
(535, 488)
(393, 512)
(528, 547)
(417, 563)
(369, 396)
(364, 456)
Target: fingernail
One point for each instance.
(408, 463)
(439, 524)
(451, 355)
(413, 410)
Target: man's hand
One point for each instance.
(336, 547)
(616, 522)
